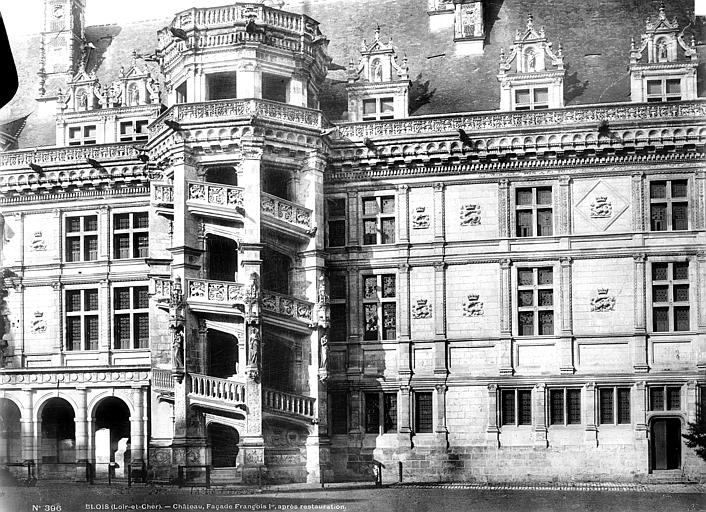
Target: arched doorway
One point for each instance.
(10, 432)
(57, 444)
(665, 443)
(112, 437)
(222, 354)
(223, 442)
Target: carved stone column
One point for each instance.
(137, 432)
(588, 405)
(505, 342)
(104, 230)
(492, 433)
(699, 213)
(81, 435)
(104, 317)
(27, 425)
(639, 352)
(440, 369)
(539, 415)
(439, 218)
(566, 364)
(58, 293)
(355, 362)
(701, 307)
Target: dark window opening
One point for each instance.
(222, 259)
(221, 86)
(423, 413)
(275, 88)
(276, 273)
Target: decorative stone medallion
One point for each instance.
(38, 323)
(472, 306)
(38, 244)
(601, 208)
(420, 218)
(470, 215)
(602, 302)
(421, 310)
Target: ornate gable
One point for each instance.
(531, 74)
(378, 86)
(663, 66)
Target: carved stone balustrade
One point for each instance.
(239, 110)
(287, 306)
(215, 296)
(68, 167)
(288, 404)
(283, 215)
(162, 381)
(162, 197)
(214, 200)
(216, 393)
(215, 27)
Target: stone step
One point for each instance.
(226, 476)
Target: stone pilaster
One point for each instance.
(439, 218)
(104, 230)
(492, 432)
(639, 397)
(440, 369)
(638, 202)
(137, 427)
(505, 342)
(353, 220)
(588, 404)
(403, 213)
(404, 417)
(700, 262)
(564, 206)
(539, 415)
(504, 209)
(404, 367)
(566, 359)
(639, 346)
(104, 321)
(28, 426)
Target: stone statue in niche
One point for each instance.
(470, 215)
(178, 347)
(421, 310)
(376, 71)
(662, 52)
(38, 244)
(323, 360)
(601, 208)
(254, 346)
(603, 302)
(530, 61)
(133, 95)
(472, 306)
(420, 218)
(38, 324)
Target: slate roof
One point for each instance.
(595, 35)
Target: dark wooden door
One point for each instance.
(666, 443)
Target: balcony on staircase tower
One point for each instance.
(220, 297)
(290, 405)
(287, 217)
(215, 200)
(216, 394)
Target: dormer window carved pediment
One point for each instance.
(378, 63)
(134, 87)
(378, 86)
(531, 73)
(663, 65)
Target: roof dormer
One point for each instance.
(531, 74)
(378, 87)
(663, 67)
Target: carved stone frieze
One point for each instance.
(67, 377)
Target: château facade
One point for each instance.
(233, 246)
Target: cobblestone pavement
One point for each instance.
(48, 497)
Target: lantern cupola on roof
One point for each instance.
(663, 66)
(378, 86)
(531, 74)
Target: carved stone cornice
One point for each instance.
(67, 377)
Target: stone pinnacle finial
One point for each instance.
(377, 32)
(530, 22)
(662, 14)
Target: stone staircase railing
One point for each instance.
(287, 211)
(287, 305)
(162, 380)
(214, 388)
(288, 403)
